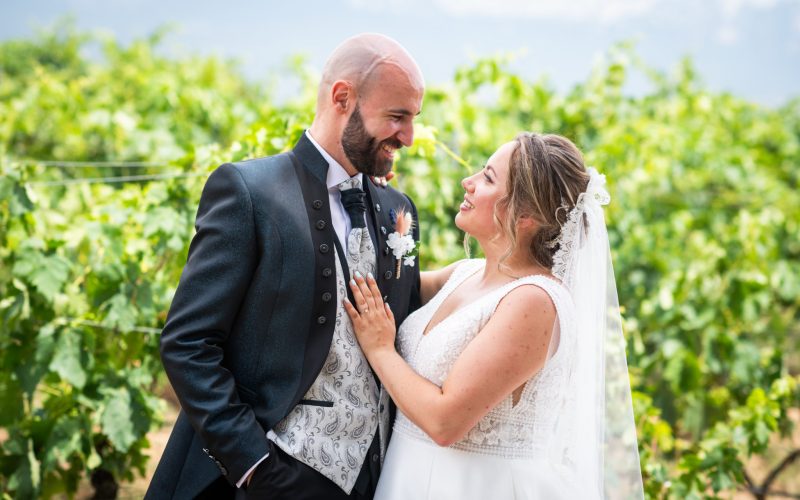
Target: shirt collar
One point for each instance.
(336, 172)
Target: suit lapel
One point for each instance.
(381, 227)
(312, 170)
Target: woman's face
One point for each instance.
(483, 190)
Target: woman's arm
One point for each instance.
(506, 353)
(433, 281)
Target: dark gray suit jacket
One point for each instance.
(253, 316)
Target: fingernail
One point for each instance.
(370, 276)
(353, 282)
(358, 275)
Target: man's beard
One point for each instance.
(363, 150)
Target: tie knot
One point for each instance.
(354, 201)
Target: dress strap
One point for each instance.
(463, 270)
(557, 292)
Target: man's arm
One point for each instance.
(222, 259)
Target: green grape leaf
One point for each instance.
(67, 360)
(47, 273)
(115, 419)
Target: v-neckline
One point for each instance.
(430, 328)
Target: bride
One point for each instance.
(511, 380)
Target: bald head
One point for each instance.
(362, 60)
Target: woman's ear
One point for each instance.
(527, 224)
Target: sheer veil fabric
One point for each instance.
(595, 435)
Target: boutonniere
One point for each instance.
(403, 246)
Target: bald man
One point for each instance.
(277, 399)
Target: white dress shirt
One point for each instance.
(336, 175)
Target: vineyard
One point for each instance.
(103, 158)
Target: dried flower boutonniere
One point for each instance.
(403, 246)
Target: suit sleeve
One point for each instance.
(415, 301)
(221, 261)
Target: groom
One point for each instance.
(277, 399)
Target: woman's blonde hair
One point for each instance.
(546, 176)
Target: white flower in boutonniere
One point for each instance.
(400, 241)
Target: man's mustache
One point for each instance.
(396, 144)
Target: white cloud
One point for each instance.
(605, 10)
(731, 8)
(727, 34)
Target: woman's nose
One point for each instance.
(466, 183)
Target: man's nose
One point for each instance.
(406, 135)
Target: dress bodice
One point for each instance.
(509, 430)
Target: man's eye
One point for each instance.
(396, 118)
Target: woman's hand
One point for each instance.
(373, 321)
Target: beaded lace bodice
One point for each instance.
(509, 430)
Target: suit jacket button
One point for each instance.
(387, 275)
(377, 207)
(383, 229)
(321, 320)
(327, 272)
(324, 248)
(375, 457)
(386, 251)
(320, 224)
(326, 297)
(317, 204)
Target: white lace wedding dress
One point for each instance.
(506, 455)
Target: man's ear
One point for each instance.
(342, 96)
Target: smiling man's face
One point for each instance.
(382, 121)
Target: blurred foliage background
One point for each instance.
(102, 161)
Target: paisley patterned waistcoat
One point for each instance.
(332, 427)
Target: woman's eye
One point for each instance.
(488, 179)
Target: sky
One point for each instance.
(748, 47)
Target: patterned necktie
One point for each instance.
(354, 202)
